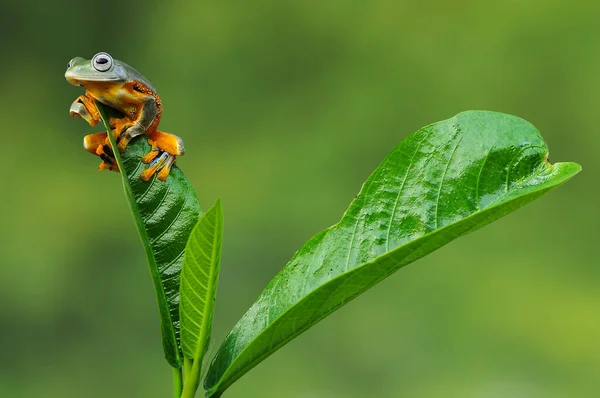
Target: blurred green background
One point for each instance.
(285, 109)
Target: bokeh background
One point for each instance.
(286, 108)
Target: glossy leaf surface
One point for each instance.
(199, 280)
(164, 213)
(444, 181)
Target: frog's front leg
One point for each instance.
(128, 130)
(85, 108)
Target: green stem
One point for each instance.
(177, 383)
(192, 381)
(187, 366)
(192, 377)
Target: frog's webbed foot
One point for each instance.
(165, 148)
(161, 164)
(97, 144)
(85, 108)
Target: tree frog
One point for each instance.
(118, 85)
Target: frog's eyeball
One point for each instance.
(102, 62)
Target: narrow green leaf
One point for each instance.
(164, 213)
(199, 279)
(444, 181)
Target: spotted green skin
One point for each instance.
(444, 181)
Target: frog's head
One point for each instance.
(101, 68)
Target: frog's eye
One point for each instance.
(102, 62)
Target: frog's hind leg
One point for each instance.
(91, 142)
(166, 142)
(97, 144)
(124, 130)
(165, 148)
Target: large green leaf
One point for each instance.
(444, 181)
(199, 280)
(164, 213)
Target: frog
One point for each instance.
(117, 85)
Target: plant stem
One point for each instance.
(177, 382)
(192, 379)
(187, 366)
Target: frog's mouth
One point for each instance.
(82, 80)
(74, 82)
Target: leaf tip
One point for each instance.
(217, 208)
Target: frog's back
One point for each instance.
(135, 75)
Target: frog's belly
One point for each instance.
(118, 97)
